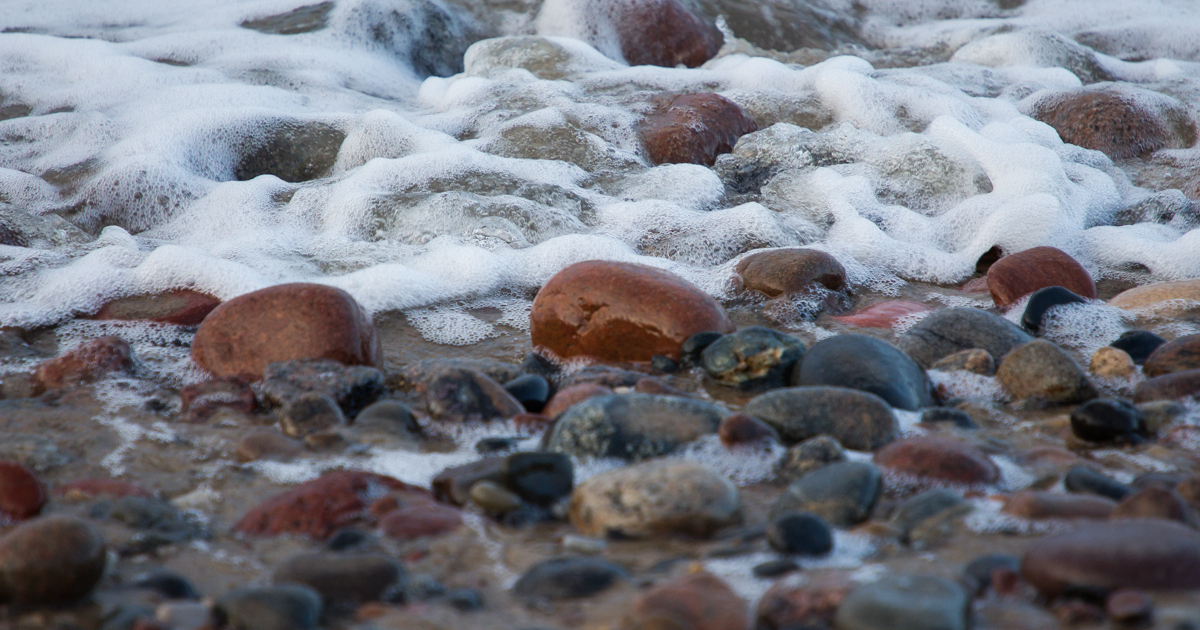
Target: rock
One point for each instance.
(462, 395)
(540, 478)
(1139, 344)
(182, 307)
(1033, 47)
(1084, 479)
(842, 493)
(753, 358)
(1153, 502)
(495, 498)
(868, 364)
(774, 568)
(453, 485)
(789, 270)
(179, 616)
(605, 376)
(22, 495)
(351, 387)
(1164, 299)
(305, 19)
(1097, 557)
(883, 314)
(1042, 371)
(531, 390)
(951, 330)
(739, 428)
(568, 578)
(647, 32)
(650, 385)
(1128, 606)
(975, 361)
(947, 415)
(697, 601)
(417, 375)
(1040, 303)
(420, 518)
(905, 602)
(802, 603)
(310, 413)
(1121, 121)
(282, 607)
(810, 455)
(1109, 362)
(691, 352)
(1160, 414)
(386, 417)
(320, 507)
(343, 578)
(287, 322)
(927, 508)
(1038, 505)
(263, 444)
(87, 363)
(856, 419)
(693, 129)
(655, 498)
(1172, 386)
(567, 397)
(167, 584)
(199, 401)
(87, 488)
(1178, 355)
(977, 575)
(800, 533)
(620, 312)
(933, 458)
(50, 561)
(1108, 420)
(632, 426)
(1017, 275)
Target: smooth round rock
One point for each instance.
(951, 330)
(567, 397)
(320, 507)
(22, 495)
(200, 401)
(343, 578)
(1039, 505)
(697, 601)
(1139, 344)
(934, 458)
(739, 428)
(693, 129)
(1040, 370)
(463, 395)
(568, 578)
(1153, 502)
(790, 270)
(868, 364)
(1108, 420)
(858, 420)
(538, 477)
(531, 390)
(263, 444)
(905, 602)
(420, 518)
(621, 312)
(1086, 480)
(1042, 301)
(1109, 362)
(632, 426)
(655, 498)
(918, 511)
(810, 455)
(1177, 355)
(1120, 120)
(282, 607)
(800, 533)
(753, 358)
(182, 307)
(1174, 386)
(842, 493)
(310, 413)
(1164, 299)
(386, 417)
(975, 361)
(51, 561)
(494, 497)
(1019, 274)
(803, 601)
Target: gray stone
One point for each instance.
(753, 358)
(858, 420)
(810, 455)
(308, 414)
(868, 364)
(283, 607)
(344, 578)
(1042, 371)
(925, 511)
(463, 395)
(494, 497)
(386, 417)
(568, 578)
(905, 602)
(951, 330)
(351, 387)
(655, 498)
(842, 493)
(633, 426)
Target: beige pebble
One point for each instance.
(1110, 362)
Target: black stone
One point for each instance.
(868, 364)
(490, 445)
(465, 599)
(856, 419)
(977, 575)
(753, 358)
(775, 568)
(693, 346)
(1042, 301)
(800, 533)
(346, 538)
(526, 514)
(957, 417)
(282, 607)
(388, 417)
(343, 578)
(1138, 344)
(539, 477)
(531, 390)
(351, 387)
(664, 364)
(1084, 480)
(568, 578)
(1108, 420)
(169, 585)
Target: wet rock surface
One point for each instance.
(87, 363)
(785, 271)
(568, 578)
(841, 493)
(905, 602)
(753, 358)
(941, 459)
(1120, 121)
(867, 364)
(51, 560)
(951, 330)
(1042, 371)
(1178, 355)
(634, 426)
(856, 419)
(693, 129)
(1017, 275)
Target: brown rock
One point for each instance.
(51, 561)
(975, 361)
(1153, 502)
(87, 488)
(1168, 387)
(1022, 273)
(453, 485)
(739, 428)
(1037, 505)
(883, 314)
(199, 401)
(420, 518)
(1177, 355)
(693, 129)
(85, 364)
(797, 603)
(266, 444)
(285, 322)
(1110, 362)
(320, 507)
(1040, 370)
(664, 33)
(184, 307)
(698, 601)
(777, 272)
(621, 312)
(1121, 122)
(1128, 606)
(22, 495)
(938, 459)
(463, 395)
(1165, 299)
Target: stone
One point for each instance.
(531, 390)
(802, 603)
(182, 307)
(789, 270)
(287, 322)
(22, 495)
(1173, 386)
(420, 518)
(842, 493)
(386, 417)
(605, 376)
(1042, 301)
(1121, 121)
(1139, 344)
(1149, 554)
(905, 602)
(938, 459)
(567, 397)
(87, 363)
(947, 415)
(616, 311)
(858, 420)
(494, 498)
(462, 395)
(343, 578)
(800, 533)
(868, 364)
(1164, 299)
(693, 129)
(1039, 505)
(453, 485)
(1017, 275)
(88, 488)
(1128, 606)
(264, 444)
(753, 358)
(51, 560)
(975, 361)
(1084, 479)
(1153, 502)
(1108, 420)
(417, 375)
(568, 578)
(925, 509)
(977, 575)
(1177, 355)
(810, 455)
(774, 568)
(538, 477)
(1109, 362)
(320, 507)
(655, 498)
(310, 413)
(691, 352)
(281, 607)
(199, 401)
(179, 615)
(1161, 414)
(739, 429)
(696, 601)
(167, 584)
(1042, 371)
(951, 330)
(649, 32)
(352, 387)
(650, 385)
(305, 19)
(883, 314)
(632, 426)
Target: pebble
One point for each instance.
(774, 568)
(800, 533)
(583, 544)
(286, 322)
(531, 390)
(655, 498)
(739, 429)
(977, 575)
(310, 413)
(51, 560)
(183, 616)
(951, 330)
(568, 578)
(1174, 386)
(925, 509)
(1085, 480)
(263, 444)
(1128, 606)
(868, 364)
(1164, 299)
(810, 455)
(905, 602)
(87, 363)
(696, 601)
(632, 426)
(167, 584)
(417, 375)
(1043, 372)
(1154, 502)
(803, 603)
(692, 350)
(1148, 554)
(1121, 121)
(947, 415)
(465, 599)
(790, 270)
(1108, 420)
(693, 129)
(464, 395)
(1109, 362)
(320, 507)
(568, 397)
(343, 578)
(22, 495)
(1139, 344)
(752, 358)
(182, 307)
(939, 459)
(1177, 355)
(386, 417)
(539, 477)
(882, 314)
(842, 493)
(1039, 505)
(281, 607)
(453, 485)
(352, 387)
(616, 311)
(1040, 303)
(1017, 275)
(856, 419)
(199, 401)
(420, 518)
(975, 361)
(1160, 414)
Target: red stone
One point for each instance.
(975, 285)
(1177, 355)
(694, 129)
(1115, 121)
(1168, 387)
(740, 428)
(1037, 505)
(182, 306)
(199, 401)
(567, 397)
(1153, 502)
(320, 507)
(101, 487)
(1017, 275)
(664, 33)
(883, 314)
(85, 364)
(615, 311)
(22, 496)
(698, 601)
(420, 518)
(790, 270)
(284, 323)
(938, 459)
(811, 604)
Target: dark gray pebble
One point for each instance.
(531, 390)
(343, 578)
(1042, 301)
(1085, 480)
(693, 347)
(957, 417)
(1108, 420)
(1138, 344)
(868, 364)
(282, 607)
(568, 578)
(800, 533)
(538, 477)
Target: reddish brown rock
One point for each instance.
(694, 129)
(464, 395)
(266, 444)
(697, 601)
(420, 518)
(620, 312)
(87, 488)
(1168, 387)
(284, 323)
(790, 270)
(1177, 355)
(1022, 273)
(975, 285)
(935, 458)
(1036, 505)
(182, 306)
(22, 495)
(1153, 502)
(664, 33)
(740, 428)
(199, 401)
(50, 561)
(883, 314)
(322, 506)
(85, 364)
(808, 603)
(1118, 121)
